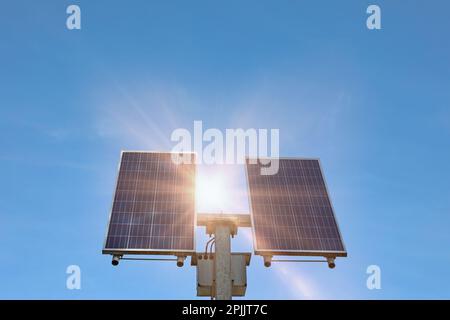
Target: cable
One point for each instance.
(206, 247)
(211, 249)
(207, 243)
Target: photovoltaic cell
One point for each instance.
(291, 210)
(153, 209)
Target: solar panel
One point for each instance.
(153, 209)
(291, 211)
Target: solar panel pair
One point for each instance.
(154, 208)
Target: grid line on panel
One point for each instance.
(153, 205)
(311, 206)
(134, 203)
(290, 207)
(172, 208)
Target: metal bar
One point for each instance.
(149, 259)
(287, 260)
(240, 220)
(222, 262)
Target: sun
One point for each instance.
(211, 192)
(221, 189)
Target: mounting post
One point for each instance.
(223, 282)
(223, 226)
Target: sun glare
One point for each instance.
(211, 192)
(221, 189)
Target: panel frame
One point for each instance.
(274, 252)
(175, 252)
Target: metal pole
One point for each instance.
(222, 262)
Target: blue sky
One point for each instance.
(373, 105)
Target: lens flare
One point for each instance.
(211, 193)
